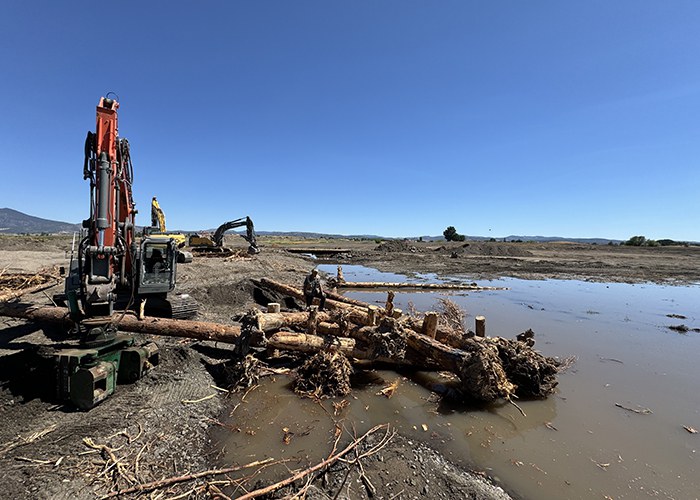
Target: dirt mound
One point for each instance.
(233, 295)
(324, 375)
(396, 246)
(493, 249)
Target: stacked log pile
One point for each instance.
(351, 332)
(487, 369)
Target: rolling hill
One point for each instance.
(14, 222)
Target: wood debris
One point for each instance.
(14, 285)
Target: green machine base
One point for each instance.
(85, 376)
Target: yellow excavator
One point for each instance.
(214, 246)
(158, 222)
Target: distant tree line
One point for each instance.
(641, 241)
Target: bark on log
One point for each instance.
(428, 286)
(312, 323)
(270, 322)
(302, 342)
(346, 300)
(480, 326)
(389, 307)
(354, 314)
(443, 335)
(430, 324)
(449, 358)
(199, 330)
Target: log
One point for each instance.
(389, 307)
(480, 326)
(312, 323)
(372, 315)
(428, 286)
(340, 276)
(430, 323)
(270, 322)
(354, 314)
(303, 342)
(346, 300)
(273, 307)
(449, 358)
(443, 335)
(199, 330)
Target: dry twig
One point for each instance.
(153, 485)
(310, 470)
(640, 410)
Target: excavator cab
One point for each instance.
(157, 266)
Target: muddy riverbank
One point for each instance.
(162, 426)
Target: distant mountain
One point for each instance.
(14, 222)
(302, 234)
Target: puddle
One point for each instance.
(575, 444)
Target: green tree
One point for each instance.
(450, 233)
(636, 241)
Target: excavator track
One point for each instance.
(173, 306)
(212, 251)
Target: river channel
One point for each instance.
(615, 428)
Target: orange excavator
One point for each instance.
(113, 272)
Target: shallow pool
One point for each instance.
(585, 441)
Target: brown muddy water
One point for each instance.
(578, 443)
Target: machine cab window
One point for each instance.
(158, 259)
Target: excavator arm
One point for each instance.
(249, 236)
(157, 216)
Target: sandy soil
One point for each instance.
(154, 433)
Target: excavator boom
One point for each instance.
(215, 245)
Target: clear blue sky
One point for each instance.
(398, 118)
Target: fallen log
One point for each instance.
(270, 322)
(428, 286)
(199, 330)
(354, 313)
(346, 300)
(444, 335)
(303, 342)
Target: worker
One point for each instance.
(313, 288)
(156, 262)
